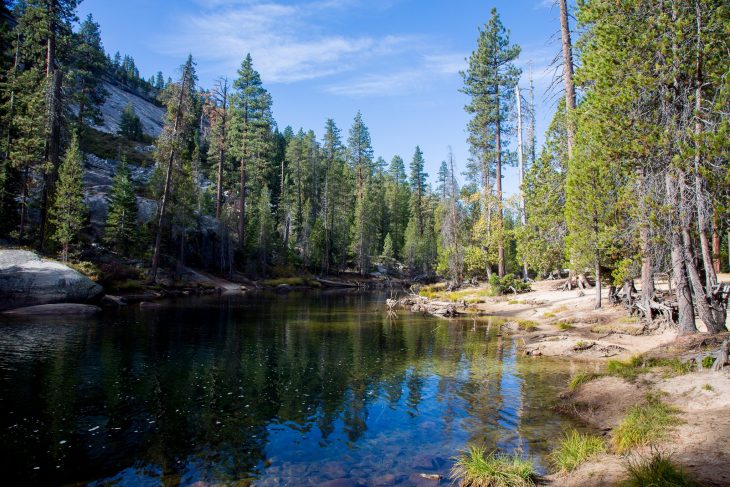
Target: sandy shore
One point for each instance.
(552, 322)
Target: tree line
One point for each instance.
(631, 182)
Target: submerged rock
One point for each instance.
(29, 280)
(60, 309)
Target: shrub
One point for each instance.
(708, 361)
(476, 469)
(507, 284)
(86, 268)
(574, 449)
(645, 424)
(656, 471)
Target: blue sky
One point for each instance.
(397, 61)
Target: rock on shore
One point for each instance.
(29, 280)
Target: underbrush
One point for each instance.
(658, 470)
(475, 468)
(644, 424)
(575, 449)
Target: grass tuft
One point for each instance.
(708, 387)
(708, 361)
(645, 424)
(656, 471)
(575, 449)
(527, 325)
(475, 468)
(581, 378)
(564, 325)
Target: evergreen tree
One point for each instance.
(541, 241)
(175, 139)
(489, 81)
(397, 197)
(68, 211)
(250, 125)
(360, 155)
(88, 65)
(121, 228)
(130, 126)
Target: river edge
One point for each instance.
(551, 322)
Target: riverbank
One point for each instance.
(634, 363)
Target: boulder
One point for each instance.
(59, 309)
(29, 280)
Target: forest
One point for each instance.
(632, 181)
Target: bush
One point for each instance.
(645, 424)
(708, 361)
(575, 449)
(507, 284)
(476, 469)
(656, 471)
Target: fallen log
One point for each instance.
(328, 283)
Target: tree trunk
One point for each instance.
(521, 166)
(683, 293)
(647, 276)
(221, 153)
(500, 219)
(168, 181)
(716, 243)
(242, 206)
(568, 75)
(598, 286)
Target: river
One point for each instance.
(265, 389)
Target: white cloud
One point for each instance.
(292, 42)
(286, 40)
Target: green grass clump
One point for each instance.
(621, 329)
(708, 387)
(475, 468)
(656, 471)
(290, 281)
(581, 378)
(513, 301)
(708, 361)
(549, 315)
(564, 325)
(645, 424)
(575, 449)
(627, 369)
(675, 366)
(527, 325)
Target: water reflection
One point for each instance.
(281, 390)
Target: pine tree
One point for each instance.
(130, 126)
(68, 211)
(250, 126)
(397, 197)
(360, 155)
(489, 81)
(180, 121)
(121, 228)
(88, 65)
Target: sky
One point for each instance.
(397, 61)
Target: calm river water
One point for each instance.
(296, 389)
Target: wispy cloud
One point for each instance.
(287, 41)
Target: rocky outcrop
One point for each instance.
(29, 280)
(151, 115)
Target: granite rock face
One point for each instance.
(29, 280)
